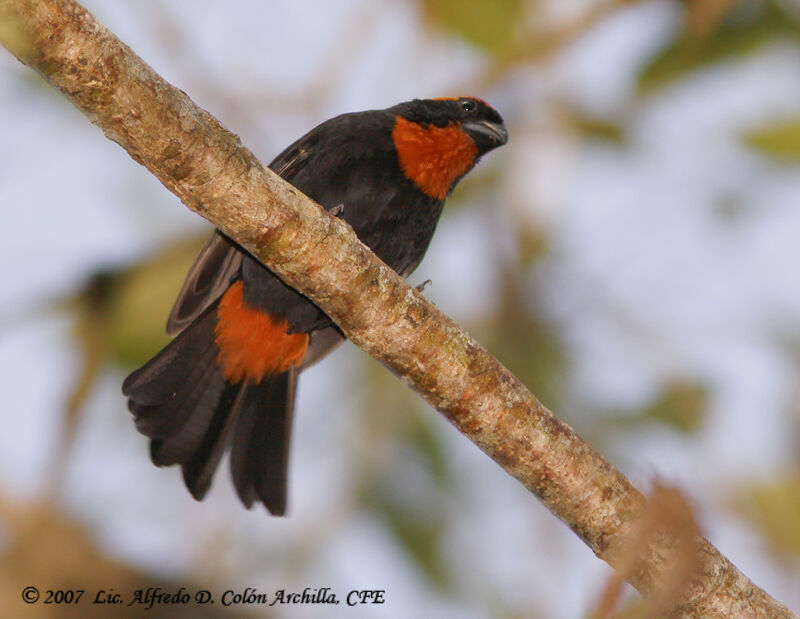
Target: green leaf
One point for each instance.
(595, 128)
(524, 342)
(392, 409)
(681, 405)
(491, 25)
(743, 30)
(142, 298)
(419, 534)
(14, 36)
(397, 423)
(483, 179)
(533, 244)
(774, 508)
(423, 438)
(781, 140)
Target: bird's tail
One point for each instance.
(183, 402)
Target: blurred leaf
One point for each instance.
(491, 25)
(42, 547)
(123, 312)
(667, 514)
(142, 299)
(412, 511)
(390, 409)
(404, 476)
(524, 343)
(13, 34)
(680, 405)
(703, 16)
(780, 140)
(420, 534)
(533, 244)
(742, 29)
(774, 508)
(609, 599)
(119, 315)
(399, 414)
(637, 608)
(594, 128)
(90, 331)
(424, 440)
(602, 130)
(485, 178)
(730, 208)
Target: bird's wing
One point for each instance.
(217, 264)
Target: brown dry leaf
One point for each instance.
(43, 548)
(668, 516)
(610, 597)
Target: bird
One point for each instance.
(227, 380)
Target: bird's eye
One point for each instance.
(468, 105)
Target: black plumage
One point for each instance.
(183, 400)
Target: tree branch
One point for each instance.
(214, 175)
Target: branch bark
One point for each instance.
(214, 175)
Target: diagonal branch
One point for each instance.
(214, 175)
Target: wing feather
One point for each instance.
(215, 267)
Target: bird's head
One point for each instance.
(439, 140)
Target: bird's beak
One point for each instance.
(487, 135)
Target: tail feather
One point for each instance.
(187, 418)
(164, 420)
(158, 379)
(182, 401)
(260, 451)
(164, 393)
(199, 470)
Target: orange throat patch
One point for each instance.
(253, 344)
(433, 157)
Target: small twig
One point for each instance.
(421, 287)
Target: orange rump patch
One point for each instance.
(433, 157)
(252, 343)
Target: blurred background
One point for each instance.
(632, 255)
